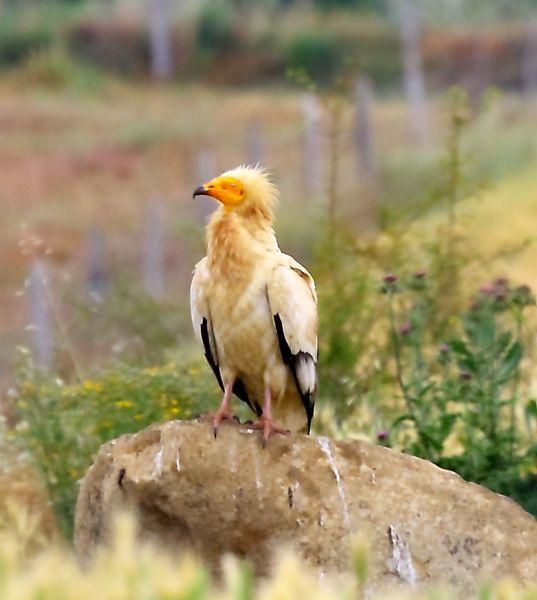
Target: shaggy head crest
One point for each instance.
(245, 189)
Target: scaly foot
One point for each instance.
(269, 428)
(223, 414)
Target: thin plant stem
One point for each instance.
(61, 328)
(397, 354)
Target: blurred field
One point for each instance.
(75, 159)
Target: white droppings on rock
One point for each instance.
(402, 563)
(178, 461)
(258, 482)
(233, 458)
(294, 487)
(158, 461)
(324, 445)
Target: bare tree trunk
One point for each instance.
(160, 39)
(529, 60)
(40, 317)
(153, 252)
(479, 76)
(254, 143)
(364, 128)
(366, 209)
(96, 263)
(312, 167)
(414, 80)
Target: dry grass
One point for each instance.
(130, 570)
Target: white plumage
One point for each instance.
(254, 308)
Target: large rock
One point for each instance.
(232, 496)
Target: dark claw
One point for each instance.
(236, 418)
(215, 432)
(249, 422)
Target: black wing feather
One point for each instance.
(208, 354)
(290, 359)
(239, 389)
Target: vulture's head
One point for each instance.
(247, 190)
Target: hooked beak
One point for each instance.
(200, 191)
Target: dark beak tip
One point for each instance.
(199, 191)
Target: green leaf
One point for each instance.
(459, 347)
(531, 408)
(446, 423)
(402, 418)
(510, 362)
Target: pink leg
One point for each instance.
(265, 421)
(224, 412)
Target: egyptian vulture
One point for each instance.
(254, 308)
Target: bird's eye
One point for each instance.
(233, 185)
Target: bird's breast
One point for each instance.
(242, 323)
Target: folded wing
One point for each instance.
(293, 302)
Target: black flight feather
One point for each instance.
(290, 359)
(239, 389)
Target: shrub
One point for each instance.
(316, 53)
(53, 68)
(118, 46)
(17, 45)
(63, 425)
(216, 29)
(471, 419)
(462, 400)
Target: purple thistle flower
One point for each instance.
(390, 278)
(420, 274)
(487, 288)
(405, 328)
(501, 282)
(383, 434)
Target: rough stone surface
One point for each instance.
(230, 495)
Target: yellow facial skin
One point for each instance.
(227, 190)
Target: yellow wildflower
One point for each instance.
(93, 386)
(124, 403)
(172, 412)
(152, 370)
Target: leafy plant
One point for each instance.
(63, 425)
(461, 400)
